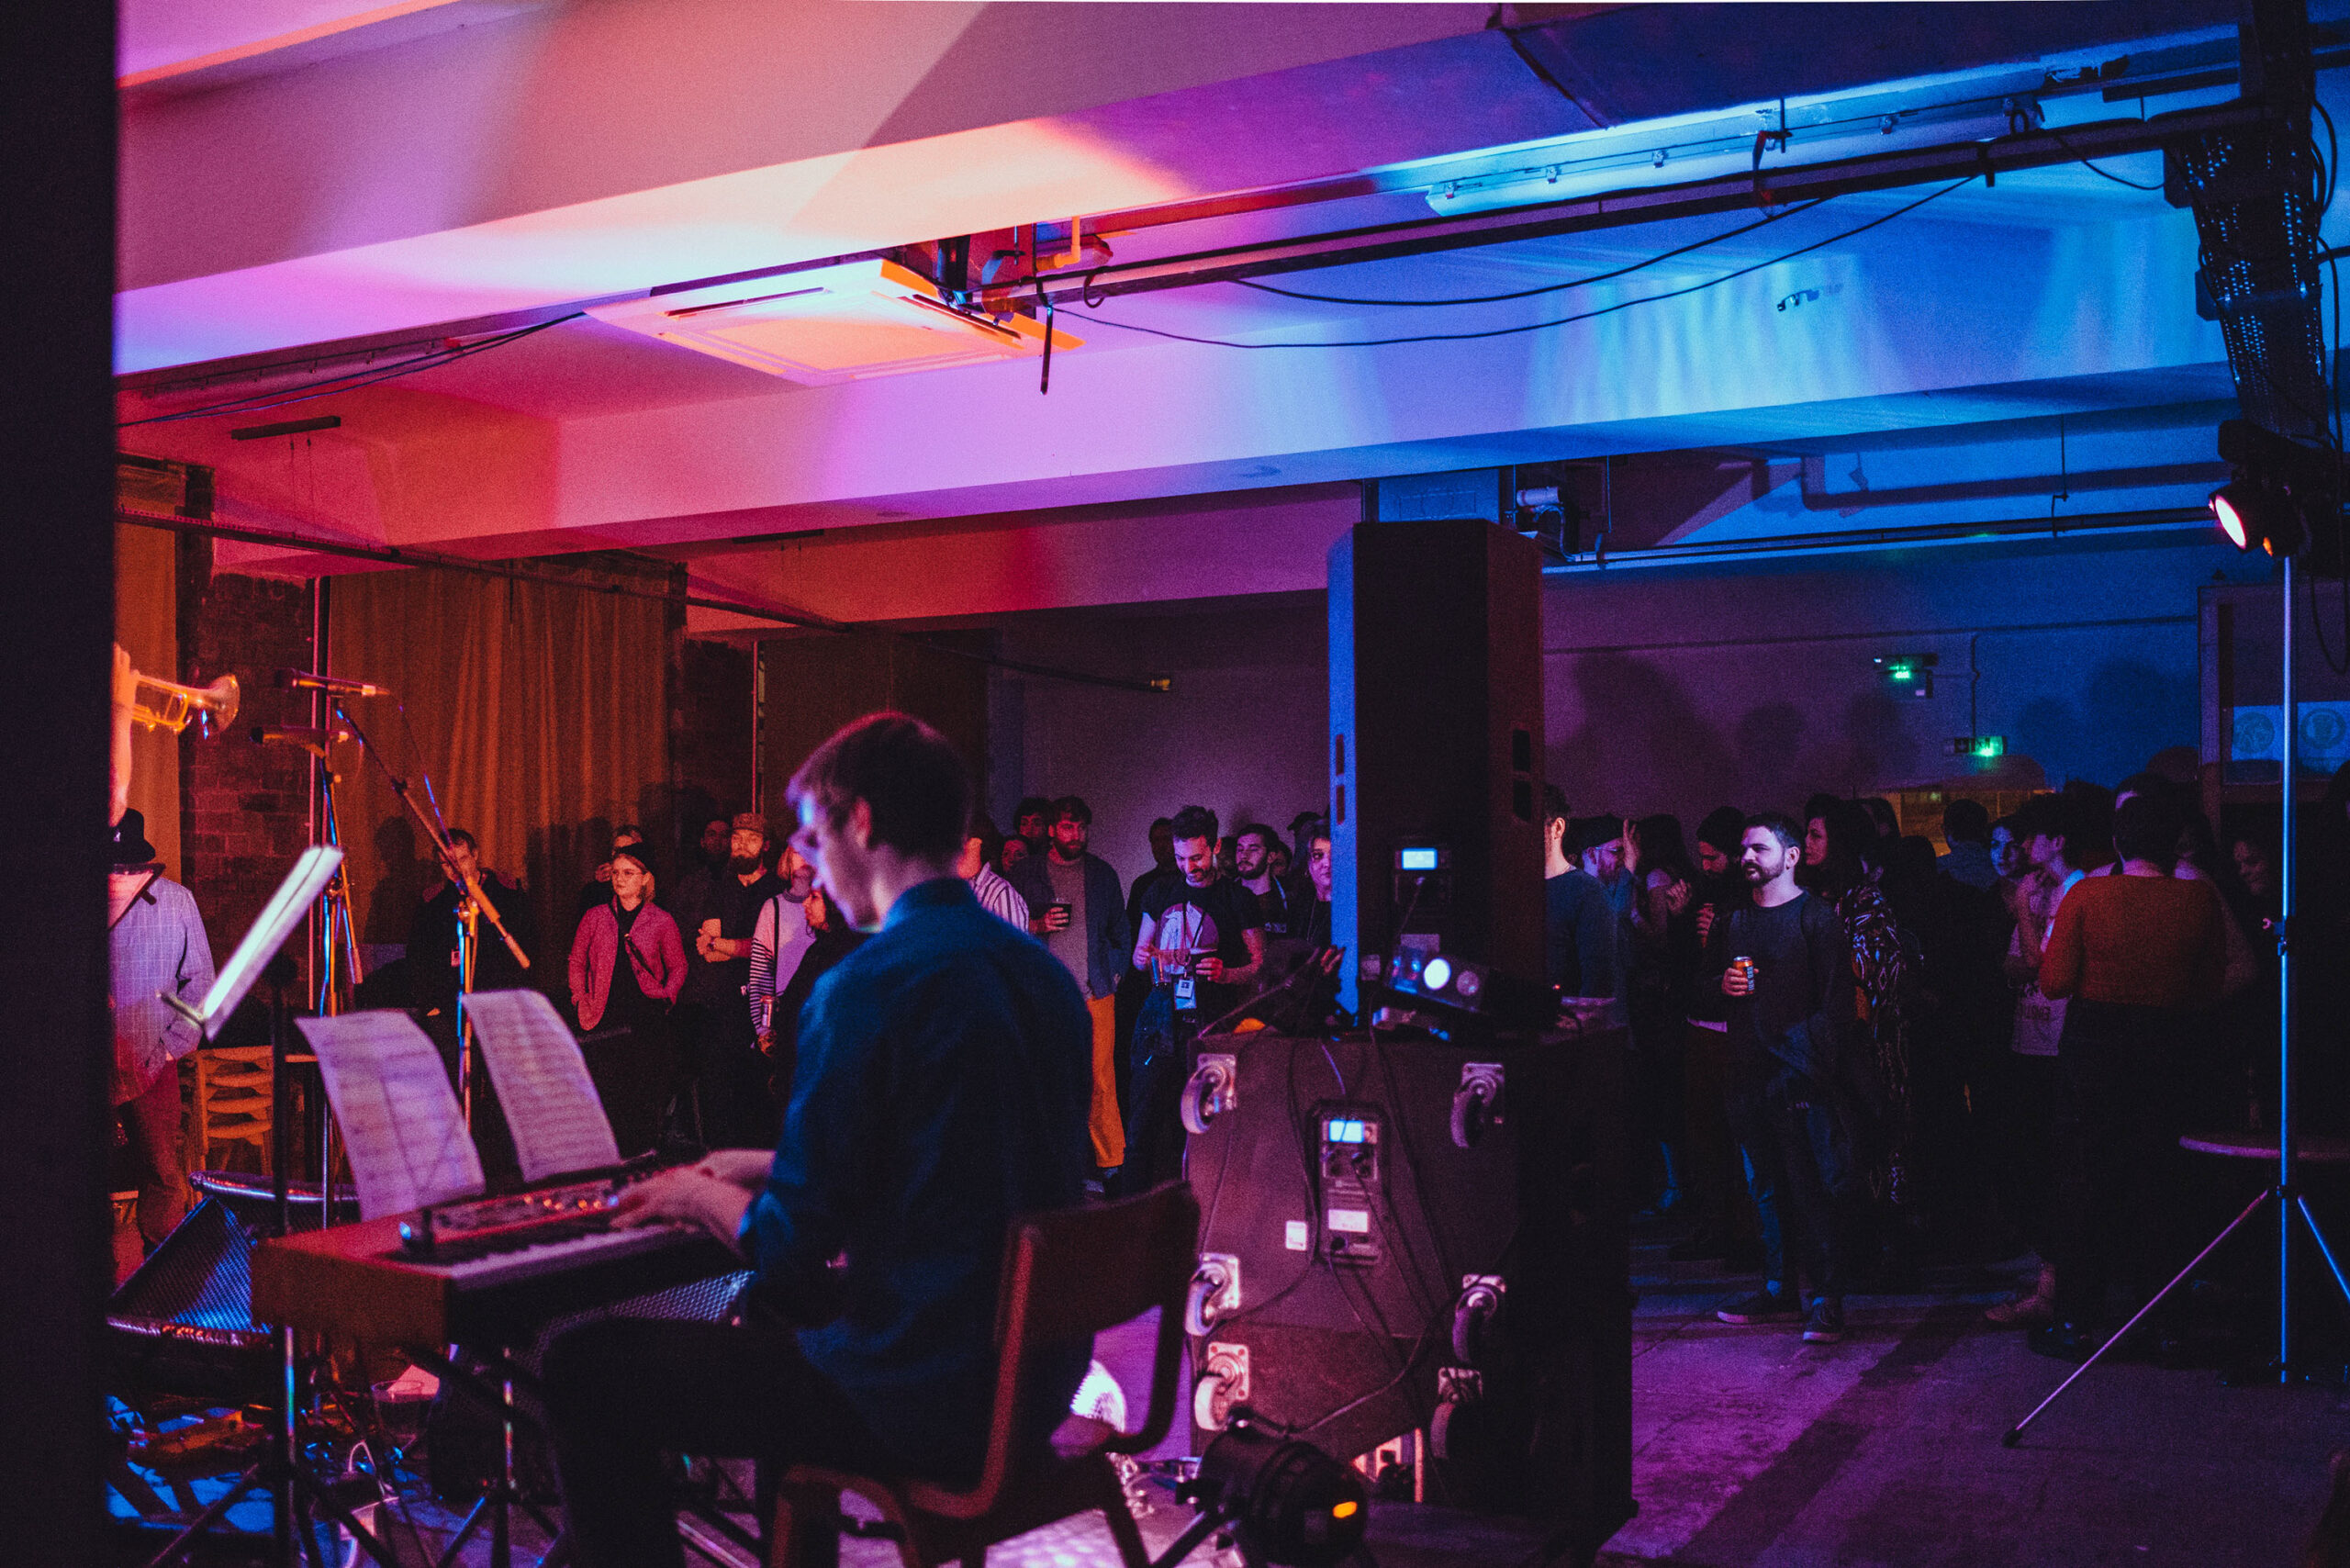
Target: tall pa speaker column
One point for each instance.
(1436, 742)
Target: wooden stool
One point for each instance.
(232, 1102)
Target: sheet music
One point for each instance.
(551, 1104)
(401, 1121)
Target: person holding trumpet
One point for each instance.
(1784, 966)
(155, 946)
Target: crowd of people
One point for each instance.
(1854, 1056)
(711, 972)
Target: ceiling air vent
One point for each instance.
(832, 324)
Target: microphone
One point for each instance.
(302, 680)
(309, 739)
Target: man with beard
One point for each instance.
(1200, 944)
(1074, 909)
(1786, 965)
(737, 1112)
(1252, 861)
(1724, 1229)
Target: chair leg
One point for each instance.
(806, 1528)
(1123, 1530)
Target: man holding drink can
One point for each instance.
(1784, 966)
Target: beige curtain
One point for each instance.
(540, 713)
(146, 622)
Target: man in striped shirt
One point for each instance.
(981, 844)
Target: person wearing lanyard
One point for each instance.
(1202, 943)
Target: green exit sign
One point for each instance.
(1978, 745)
(1906, 675)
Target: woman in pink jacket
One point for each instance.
(628, 961)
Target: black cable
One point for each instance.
(2331, 164)
(238, 405)
(1563, 320)
(1312, 1202)
(262, 402)
(1419, 1349)
(1546, 288)
(2101, 173)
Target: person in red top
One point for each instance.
(2139, 957)
(630, 926)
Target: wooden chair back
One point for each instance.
(1071, 1274)
(232, 1102)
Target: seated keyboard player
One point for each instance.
(941, 1089)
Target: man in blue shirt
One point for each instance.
(941, 1090)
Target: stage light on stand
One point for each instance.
(2281, 494)
(1284, 1501)
(2228, 505)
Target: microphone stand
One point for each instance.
(472, 904)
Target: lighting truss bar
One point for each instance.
(392, 555)
(1783, 184)
(2174, 520)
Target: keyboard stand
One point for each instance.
(499, 1499)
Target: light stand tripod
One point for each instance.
(2286, 1194)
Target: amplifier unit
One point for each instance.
(1407, 1234)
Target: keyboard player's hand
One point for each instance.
(687, 1195)
(746, 1167)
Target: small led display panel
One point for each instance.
(1416, 860)
(1338, 1130)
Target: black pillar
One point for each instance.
(57, 184)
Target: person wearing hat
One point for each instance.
(155, 947)
(627, 965)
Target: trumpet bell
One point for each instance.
(167, 705)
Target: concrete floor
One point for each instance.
(1752, 1448)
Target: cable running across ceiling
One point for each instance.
(1099, 319)
(1547, 287)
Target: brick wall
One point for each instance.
(245, 812)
